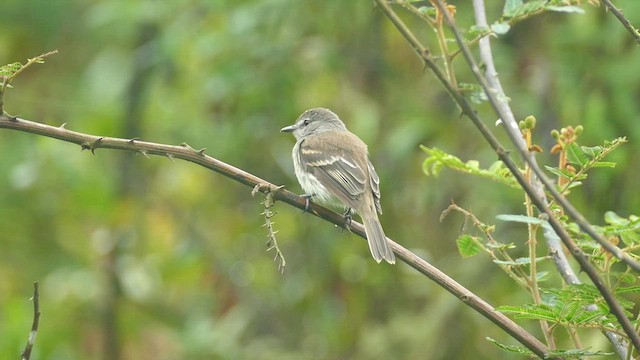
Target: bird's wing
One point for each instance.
(375, 186)
(337, 167)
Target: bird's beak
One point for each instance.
(288, 128)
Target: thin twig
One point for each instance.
(26, 354)
(625, 22)
(187, 153)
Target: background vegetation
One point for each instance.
(151, 259)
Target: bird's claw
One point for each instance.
(348, 216)
(307, 202)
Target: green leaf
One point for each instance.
(566, 9)
(476, 31)
(519, 261)
(575, 184)
(533, 312)
(612, 218)
(511, 7)
(474, 92)
(10, 69)
(517, 8)
(630, 237)
(437, 159)
(542, 276)
(511, 348)
(468, 245)
(500, 246)
(520, 219)
(628, 290)
(559, 172)
(608, 164)
(592, 151)
(624, 277)
(576, 155)
(428, 10)
(500, 28)
(576, 353)
(627, 228)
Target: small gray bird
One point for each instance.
(332, 164)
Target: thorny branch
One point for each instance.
(625, 22)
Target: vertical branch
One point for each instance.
(26, 354)
(532, 229)
(444, 49)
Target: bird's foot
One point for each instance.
(348, 216)
(307, 201)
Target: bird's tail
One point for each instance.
(380, 248)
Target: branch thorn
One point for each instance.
(94, 145)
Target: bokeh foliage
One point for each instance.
(186, 247)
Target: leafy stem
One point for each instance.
(9, 72)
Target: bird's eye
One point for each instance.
(306, 122)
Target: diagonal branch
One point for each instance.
(423, 53)
(625, 22)
(187, 153)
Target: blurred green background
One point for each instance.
(151, 259)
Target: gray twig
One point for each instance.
(625, 22)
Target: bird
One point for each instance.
(332, 166)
